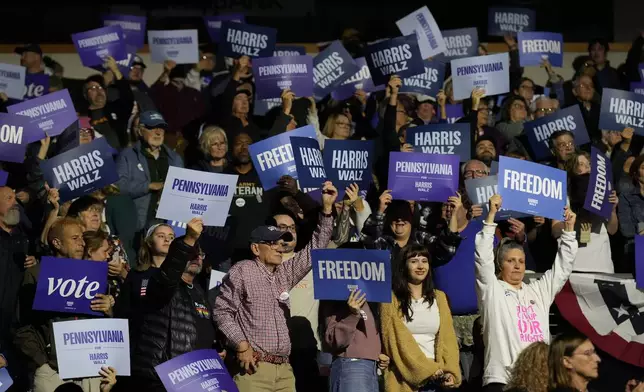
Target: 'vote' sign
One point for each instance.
(534, 47)
(69, 286)
(600, 185)
(538, 131)
(36, 85)
(399, 56)
(621, 109)
(238, 39)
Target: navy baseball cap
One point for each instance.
(269, 234)
(152, 119)
(138, 61)
(28, 48)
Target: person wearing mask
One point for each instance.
(573, 363)
(631, 208)
(213, 144)
(417, 330)
(253, 305)
(607, 76)
(109, 118)
(584, 91)
(562, 147)
(143, 167)
(515, 314)
(530, 370)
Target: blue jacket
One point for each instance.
(134, 177)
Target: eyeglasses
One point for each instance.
(95, 87)
(563, 145)
(273, 245)
(587, 353)
(472, 173)
(587, 86)
(545, 110)
(291, 228)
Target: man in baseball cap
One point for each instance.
(31, 58)
(152, 120)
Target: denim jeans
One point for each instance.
(353, 375)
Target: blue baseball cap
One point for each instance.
(269, 234)
(153, 119)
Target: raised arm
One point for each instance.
(484, 251)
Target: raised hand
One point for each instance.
(193, 231)
(329, 195)
(569, 219)
(356, 301)
(385, 200)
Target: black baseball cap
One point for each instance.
(269, 234)
(138, 61)
(28, 48)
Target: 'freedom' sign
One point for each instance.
(332, 67)
(15, 133)
(180, 46)
(479, 191)
(508, 20)
(532, 188)
(81, 170)
(428, 82)
(621, 109)
(461, 43)
(96, 45)
(239, 39)
(361, 80)
(446, 139)
(338, 272)
(274, 74)
(191, 194)
(538, 131)
(347, 162)
(308, 162)
(69, 286)
(534, 47)
(600, 185)
(399, 56)
(422, 177)
(52, 113)
(200, 371)
(273, 157)
(491, 73)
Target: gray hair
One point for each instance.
(470, 162)
(506, 245)
(206, 138)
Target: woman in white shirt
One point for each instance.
(515, 314)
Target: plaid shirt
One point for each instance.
(441, 247)
(253, 303)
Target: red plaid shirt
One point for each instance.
(249, 307)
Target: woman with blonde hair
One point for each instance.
(337, 126)
(213, 144)
(530, 370)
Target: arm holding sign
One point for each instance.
(341, 321)
(613, 223)
(443, 246)
(375, 223)
(484, 252)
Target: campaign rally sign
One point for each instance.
(534, 47)
(348, 161)
(213, 24)
(399, 56)
(12, 80)
(51, 113)
(600, 185)
(84, 346)
(274, 74)
(273, 157)
(640, 67)
(16, 132)
(509, 20)
(331, 67)
(421, 23)
(532, 188)
(96, 45)
(81, 170)
(5, 380)
(309, 162)
(69, 285)
(423, 177)
(133, 28)
(639, 261)
(491, 73)
(444, 139)
(479, 191)
(200, 370)
(428, 82)
(36, 85)
(461, 43)
(4, 176)
(360, 80)
(289, 50)
(240, 39)
(191, 194)
(178, 227)
(180, 46)
(216, 277)
(637, 87)
(621, 109)
(538, 131)
(454, 112)
(338, 272)
(263, 106)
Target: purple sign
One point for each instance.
(238, 39)
(461, 43)
(637, 87)
(213, 24)
(69, 285)
(274, 74)
(621, 109)
(428, 82)
(600, 185)
(538, 131)
(332, 66)
(399, 56)
(479, 191)
(51, 113)
(36, 85)
(347, 162)
(442, 139)
(15, 133)
(639, 261)
(289, 50)
(5, 380)
(509, 20)
(95, 45)
(454, 112)
(263, 106)
(81, 170)
(3, 177)
(200, 370)
(133, 28)
(640, 67)
(361, 80)
(534, 47)
(308, 162)
(423, 177)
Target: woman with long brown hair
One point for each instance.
(573, 363)
(530, 370)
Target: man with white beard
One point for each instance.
(14, 246)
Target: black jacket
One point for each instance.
(167, 328)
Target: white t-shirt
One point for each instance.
(424, 325)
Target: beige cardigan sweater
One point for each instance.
(410, 369)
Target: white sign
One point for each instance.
(12, 80)
(190, 193)
(422, 23)
(84, 346)
(180, 46)
(216, 277)
(491, 73)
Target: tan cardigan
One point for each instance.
(410, 369)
